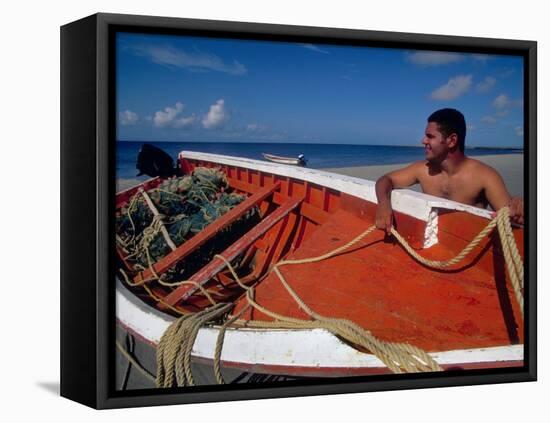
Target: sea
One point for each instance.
(318, 156)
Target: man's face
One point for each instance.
(435, 144)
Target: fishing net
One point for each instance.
(186, 206)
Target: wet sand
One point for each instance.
(510, 167)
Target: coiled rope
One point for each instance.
(174, 348)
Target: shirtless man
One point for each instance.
(447, 173)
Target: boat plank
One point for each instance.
(216, 265)
(207, 233)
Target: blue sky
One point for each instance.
(180, 88)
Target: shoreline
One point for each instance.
(510, 167)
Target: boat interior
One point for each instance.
(375, 283)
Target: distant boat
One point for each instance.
(298, 161)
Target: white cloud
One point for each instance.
(489, 119)
(216, 116)
(196, 61)
(313, 47)
(486, 85)
(184, 122)
(171, 117)
(471, 127)
(454, 88)
(434, 58)
(128, 117)
(502, 101)
(519, 131)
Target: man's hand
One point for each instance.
(400, 178)
(498, 196)
(384, 217)
(516, 210)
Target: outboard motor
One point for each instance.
(153, 161)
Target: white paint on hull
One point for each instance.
(319, 348)
(312, 348)
(431, 229)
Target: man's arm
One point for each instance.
(400, 178)
(498, 196)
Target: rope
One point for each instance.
(397, 357)
(175, 346)
(174, 350)
(157, 220)
(134, 362)
(130, 345)
(147, 236)
(511, 254)
(151, 232)
(442, 264)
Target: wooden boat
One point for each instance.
(298, 161)
(465, 318)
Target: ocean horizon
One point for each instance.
(318, 156)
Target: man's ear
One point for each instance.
(452, 141)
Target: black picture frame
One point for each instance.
(87, 178)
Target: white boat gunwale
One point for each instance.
(415, 204)
(291, 348)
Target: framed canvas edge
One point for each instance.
(530, 181)
(78, 306)
(105, 192)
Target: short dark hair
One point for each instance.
(450, 121)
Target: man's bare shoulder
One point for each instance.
(409, 168)
(406, 176)
(492, 183)
(420, 165)
(478, 168)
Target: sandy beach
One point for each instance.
(510, 167)
(122, 184)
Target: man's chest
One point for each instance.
(461, 188)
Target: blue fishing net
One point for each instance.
(187, 204)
